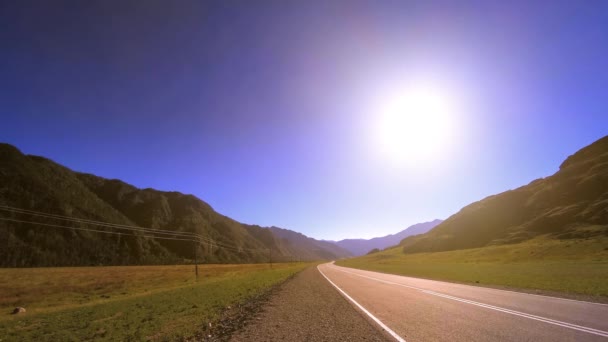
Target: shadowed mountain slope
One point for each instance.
(39, 184)
(300, 244)
(572, 203)
(362, 246)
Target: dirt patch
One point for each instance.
(116, 315)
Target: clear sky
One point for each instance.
(265, 109)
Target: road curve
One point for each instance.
(426, 310)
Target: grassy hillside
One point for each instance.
(36, 183)
(39, 184)
(126, 303)
(574, 266)
(185, 213)
(549, 235)
(571, 204)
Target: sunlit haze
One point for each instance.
(336, 119)
(417, 124)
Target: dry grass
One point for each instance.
(49, 289)
(125, 303)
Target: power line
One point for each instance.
(199, 237)
(109, 232)
(126, 227)
(236, 248)
(195, 239)
(117, 226)
(75, 219)
(93, 230)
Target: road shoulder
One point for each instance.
(308, 308)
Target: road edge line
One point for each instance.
(369, 314)
(480, 286)
(563, 324)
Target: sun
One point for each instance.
(416, 124)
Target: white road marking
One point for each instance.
(538, 295)
(374, 318)
(501, 290)
(487, 306)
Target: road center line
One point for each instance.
(487, 306)
(369, 314)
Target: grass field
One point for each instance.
(574, 267)
(131, 303)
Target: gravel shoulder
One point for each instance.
(308, 308)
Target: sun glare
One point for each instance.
(416, 125)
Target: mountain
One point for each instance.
(300, 244)
(572, 203)
(362, 246)
(44, 187)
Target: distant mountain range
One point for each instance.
(308, 248)
(572, 203)
(363, 246)
(45, 188)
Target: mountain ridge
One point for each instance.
(362, 246)
(39, 184)
(571, 203)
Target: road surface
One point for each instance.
(413, 309)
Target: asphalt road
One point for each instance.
(416, 309)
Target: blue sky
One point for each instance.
(263, 109)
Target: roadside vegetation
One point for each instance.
(126, 303)
(573, 266)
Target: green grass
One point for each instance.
(131, 303)
(576, 267)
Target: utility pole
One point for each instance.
(270, 256)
